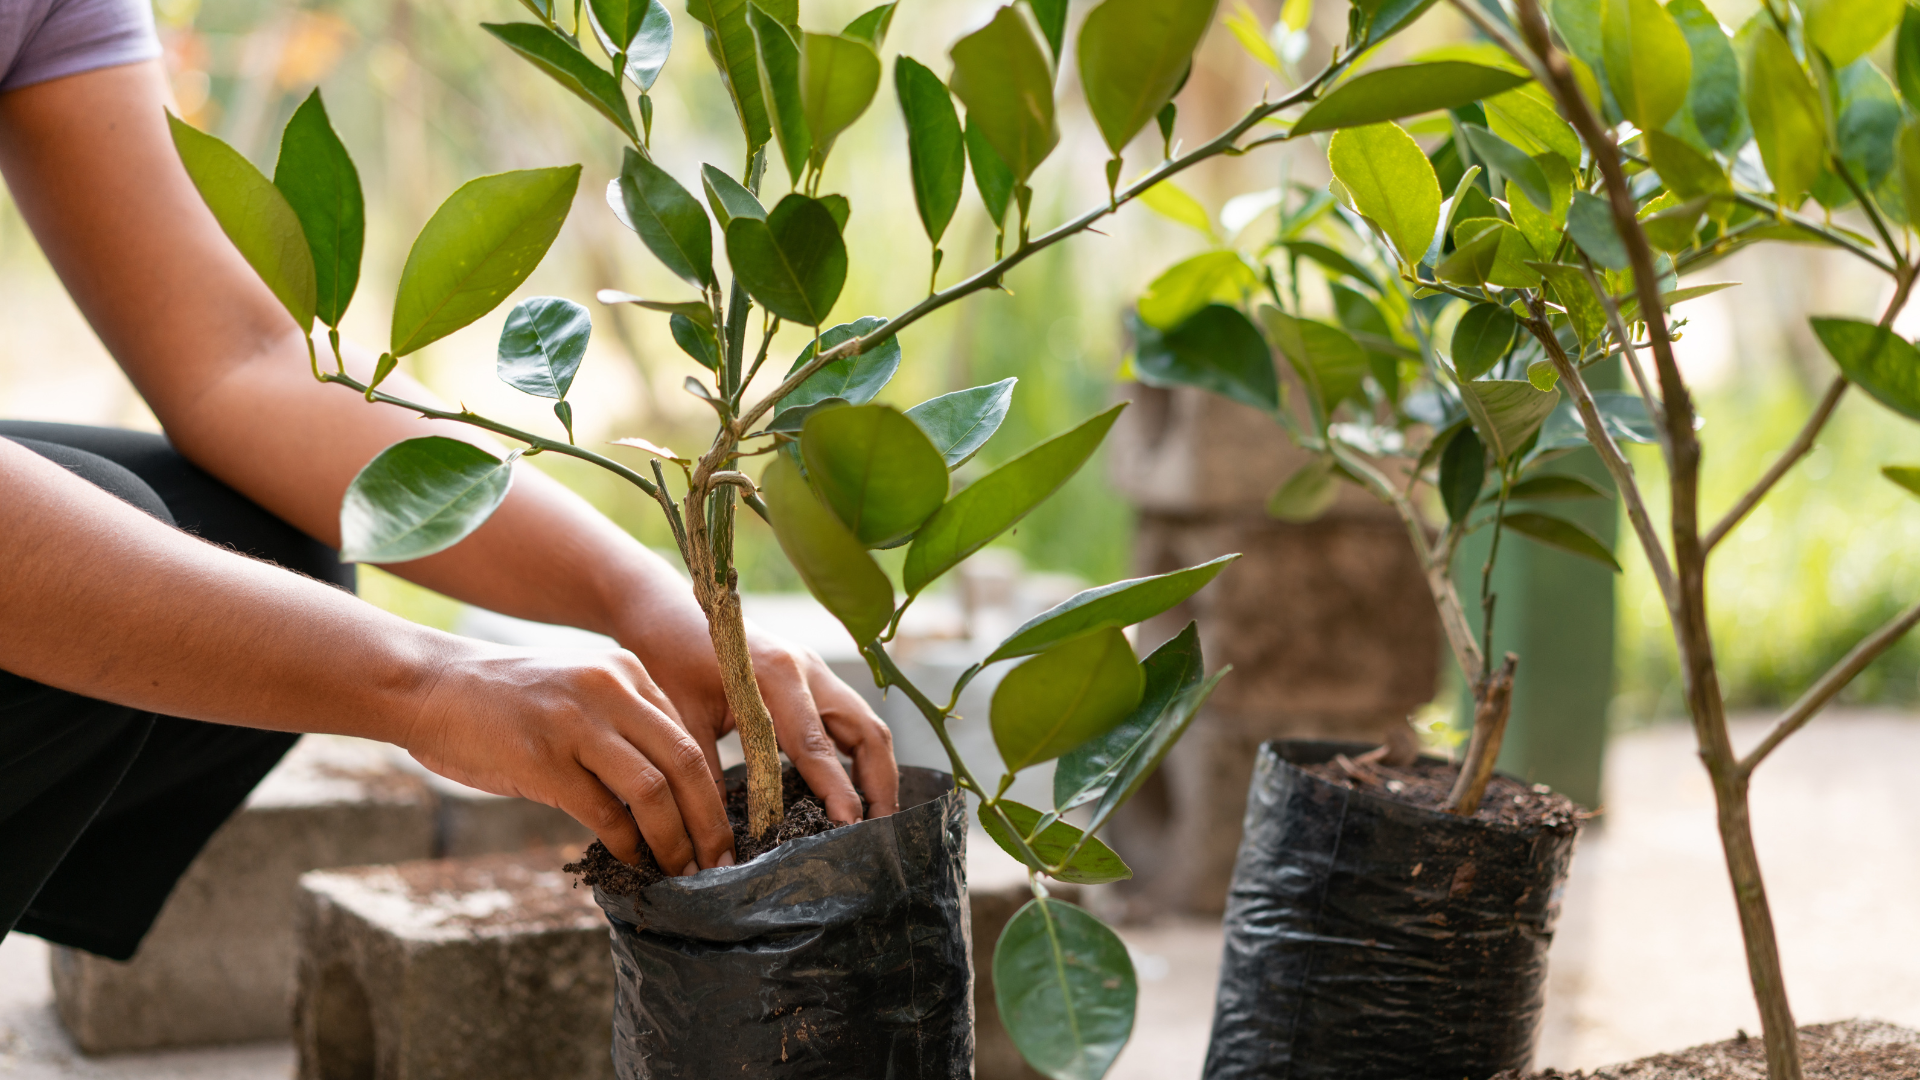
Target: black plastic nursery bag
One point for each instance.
(833, 956)
(1367, 939)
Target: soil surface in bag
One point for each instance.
(838, 955)
(1370, 936)
(1849, 1050)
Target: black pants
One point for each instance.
(102, 806)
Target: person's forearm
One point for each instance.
(101, 599)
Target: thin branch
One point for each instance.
(1802, 444)
(1835, 680)
(1866, 204)
(1619, 327)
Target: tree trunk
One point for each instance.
(1756, 929)
(1492, 702)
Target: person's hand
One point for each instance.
(814, 713)
(585, 731)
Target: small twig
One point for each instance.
(1802, 445)
(1834, 681)
(1491, 706)
(1618, 325)
(1358, 773)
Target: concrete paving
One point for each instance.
(1648, 957)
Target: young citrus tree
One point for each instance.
(1583, 158)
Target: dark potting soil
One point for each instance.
(805, 817)
(1849, 1050)
(1427, 784)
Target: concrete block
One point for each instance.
(218, 965)
(485, 968)
(468, 821)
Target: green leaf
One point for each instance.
(1090, 770)
(960, 423)
(1907, 476)
(1713, 95)
(1308, 493)
(697, 340)
(1542, 229)
(1133, 56)
(254, 215)
(779, 73)
(1556, 487)
(1216, 349)
(1490, 251)
(1572, 292)
(1562, 534)
(730, 44)
(1789, 123)
(1624, 416)
(1543, 375)
(1391, 183)
(1096, 864)
(1463, 471)
(796, 418)
(668, 218)
(1527, 117)
(728, 199)
(785, 12)
(1066, 990)
(616, 22)
(1003, 77)
(838, 78)
(1332, 259)
(1068, 694)
(1906, 57)
(1649, 64)
(1481, 339)
(1673, 228)
(649, 42)
(794, 263)
(1907, 164)
(991, 176)
(1688, 173)
(872, 24)
(1843, 30)
(542, 345)
(936, 147)
(1389, 17)
(998, 500)
(1510, 162)
(1883, 363)
(1405, 90)
(476, 249)
(565, 64)
(1590, 224)
(1122, 603)
(1506, 412)
(420, 497)
(855, 378)
(1052, 17)
(1191, 284)
(1171, 201)
(1869, 123)
(696, 310)
(875, 468)
(1325, 357)
(834, 565)
(323, 188)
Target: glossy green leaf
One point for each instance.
(1332, 259)
(1096, 864)
(1843, 30)
(838, 78)
(1580, 26)
(1133, 56)
(1907, 476)
(1325, 357)
(1907, 165)
(696, 310)
(1191, 284)
(1906, 57)
(855, 378)
(1713, 93)
(833, 563)
(616, 22)
(1171, 201)
(794, 263)
(1880, 361)
(1052, 17)
(1481, 339)
(1506, 412)
(254, 215)
(697, 340)
(779, 72)
(936, 145)
(992, 179)
(1649, 64)
(1511, 256)
(1308, 493)
(1391, 183)
(875, 468)
(730, 44)
(1789, 123)
(1390, 93)
(728, 199)
(960, 423)
(1556, 488)
(1476, 245)
(872, 24)
(1688, 173)
(1673, 227)
(1122, 603)
(998, 500)
(1005, 80)
(542, 344)
(1624, 415)
(1509, 161)
(1557, 532)
(323, 188)
(649, 29)
(1542, 228)
(1087, 772)
(1528, 118)
(1573, 293)
(565, 64)
(796, 418)
(1215, 349)
(1543, 375)
(1868, 124)
(1590, 224)
(1387, 17)
(420, 497)
(476, 249)
(1068, 694)
(1066, 990)
(1463, 471)
(668, 218)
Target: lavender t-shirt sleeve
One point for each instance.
(49, 39)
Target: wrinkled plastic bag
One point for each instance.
(1367, 939)
(841, 955)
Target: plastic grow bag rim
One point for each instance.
(1438, 818)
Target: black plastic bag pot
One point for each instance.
(841, 955)
(1367, 939)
